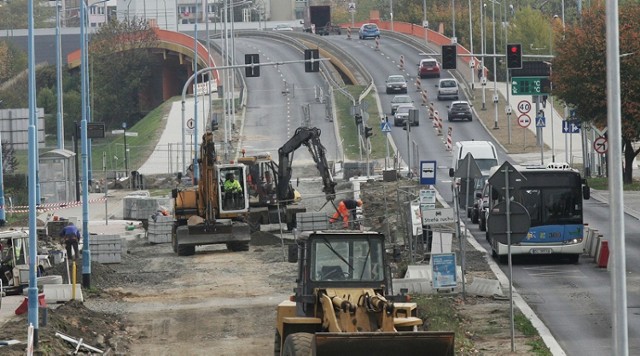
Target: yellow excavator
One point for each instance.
(270, 183)
(213, 211)
(343, 304)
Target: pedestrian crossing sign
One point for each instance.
(384, 126)
(541, 121)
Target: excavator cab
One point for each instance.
(232, 189)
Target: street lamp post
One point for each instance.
(495, 84)
(126, 149)
(453, 19)
(60, 120)
(391, 13)
(472, 61)
(483, 79)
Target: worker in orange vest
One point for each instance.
(346, 209)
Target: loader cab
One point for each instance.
(232, 189)
(14, 253)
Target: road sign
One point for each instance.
(191, 124)
(529, 85)
(570, 126)
(468, 168)
(427, 196)
(428, 172)
(499, 181)
(600, 132)
(131, 134)
(443, 267)
(520, 222)
(541, 121)
(384, 126)
(524, 107)
(117, 132)
(352, 7)
(438, 216)
(601, 145)
(524, 120)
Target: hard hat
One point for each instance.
(359, 202)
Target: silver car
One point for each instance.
(400, 100)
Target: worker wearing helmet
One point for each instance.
(346, 209)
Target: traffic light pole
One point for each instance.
(211, 69)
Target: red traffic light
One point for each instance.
(514, 56)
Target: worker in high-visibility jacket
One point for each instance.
(346, 209)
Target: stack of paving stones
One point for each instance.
(106, 248)
(139, 206)
(159, 230)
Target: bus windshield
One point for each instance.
(551, 197)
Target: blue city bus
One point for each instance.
(553, 197)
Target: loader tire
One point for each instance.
(186, 250)
(298, 344)
(277, 344)
(238, 246)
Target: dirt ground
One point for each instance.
(224, 303)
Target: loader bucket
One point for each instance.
(424, 343)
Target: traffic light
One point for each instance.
(367, 132)
(253, 70)
(358, 119)
(514, 56)
(311, 64)
(449, 56)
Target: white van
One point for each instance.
(447, 89)
(485, 155)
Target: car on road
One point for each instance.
(482, 212)
(428, 67)
(399, 100)
(328, 29)
(402, 115)
(459, 110)
(283, 27)
(396, 84)
(368, 30)
(447, 89)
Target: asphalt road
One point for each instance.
(278, 99)
(574, 301)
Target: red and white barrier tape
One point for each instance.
(50, 206)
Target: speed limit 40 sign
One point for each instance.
(524, 107)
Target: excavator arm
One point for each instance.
(310, 137)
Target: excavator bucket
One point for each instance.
(424, 343)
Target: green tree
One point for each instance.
(579, 73)
(72, 111)
(123, 66)
(13, 14)
(12, 60)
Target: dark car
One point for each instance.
(402, 114)
(396, 84)
(482, 206)
(328, 29)
(429, 68)
(459, 110)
